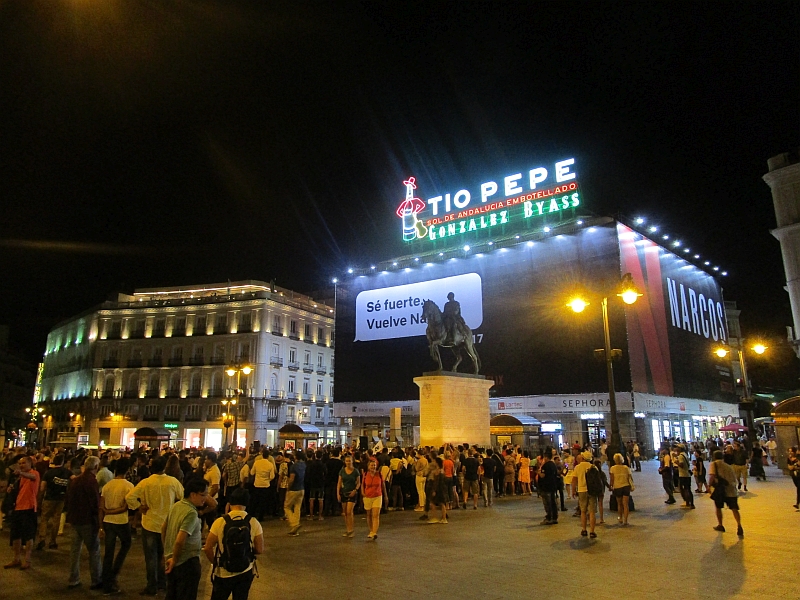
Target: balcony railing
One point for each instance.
(158, 333)
(293, 335)
(272, 419)
(245, 329)
(293, 366)
(330, 372)
(130, 394)
(277, 332)
(197, 361)
(322, 343)
(217, 360)
(321, 370)
(114, 334)
(151, 393)
(179, 332)
(111, 363)
(136, 334)
(308, 340)
(194, 393)
(220, 330)
(276, 361)
(308, 368)
(173, 394)
(275, 394)
(155, 362)
(176, 362)
(134, 363)
(216, 392)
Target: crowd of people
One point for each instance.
(183, 504)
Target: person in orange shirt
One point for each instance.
(23, 519)
(372, 492)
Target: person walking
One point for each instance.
(295, 491)
(525, 474)
(699, 471)
(489, 470)
(262, 473)
(741, 458)
(83, 513)
(155, 495)
(721, 477)
(420, 477)
(182, 542)
(665, 469)
(23, 519)
(587, 503)
(685, 477)
(509, 473)
(54, 485)
(470, 468)
(548, 487)
(234, 567)
(621, 486)
(347, 492)
(114, 516)
(372, 492)
(793, 465)
(637, 457)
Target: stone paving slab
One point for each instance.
(502, 552)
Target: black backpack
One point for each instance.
(594, 483)
(238, 553)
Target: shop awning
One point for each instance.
(152, 433)
(298, 429)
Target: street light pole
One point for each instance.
(616, 438)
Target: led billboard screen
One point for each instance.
(513, 298)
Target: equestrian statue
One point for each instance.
(449, 329)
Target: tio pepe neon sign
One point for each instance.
(451, 214)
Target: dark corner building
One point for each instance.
(514, 251)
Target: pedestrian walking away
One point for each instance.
(83, 513)
(231, 547)
(114, 516)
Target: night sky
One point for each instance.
(167, 143)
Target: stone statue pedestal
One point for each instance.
(453, 407)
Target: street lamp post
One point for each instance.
(236, 369)
(629, 295)
(747, 399)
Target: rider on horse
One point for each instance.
(453, 321)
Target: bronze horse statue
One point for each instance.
(460, 338)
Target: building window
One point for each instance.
(330, 394)
(277, 326)
(292, 355)
(319, 414)
(244, 352)
(180, 326)
(319, 388)
(291, 385)
(273, 385)
(177, 352)
(213, 411)
(245, 323)
(293, 327)
(307, 332)
(151, 411)
(200, 325)
(171, 411)
(276, 350)
(193, 411)
(306, 386)
(320, 336)
(160, 326)
(272, 412)
(157, 353)
(320, 360)
(290, 413)
(221, 324)
(307, 359)
(131, 410)
(105, 410)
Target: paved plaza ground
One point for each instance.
(502, 552)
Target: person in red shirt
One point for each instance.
(23, 519)
(372, 492)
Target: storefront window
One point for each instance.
(687, 431)
(127, 437)
(656, 434)
(213, 438)
(241, 438)
(192, 438)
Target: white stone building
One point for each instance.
(158, 359)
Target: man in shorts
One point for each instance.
(586, 502)
(23, 519)
(470, 468)
(717, 470)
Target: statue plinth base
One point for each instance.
(454, 407)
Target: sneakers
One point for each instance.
(419, 509)
(545, 522)
(740, 532)
(443, 521)
(719, 528)
(432, 521)
(347, 534)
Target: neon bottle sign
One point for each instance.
(413, 228)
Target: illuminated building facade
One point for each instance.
(158, 358)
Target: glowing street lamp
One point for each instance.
(236, 369)
(747, 400)
(629, 294)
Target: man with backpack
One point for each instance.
(589, 487)
(231, 547)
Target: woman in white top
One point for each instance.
(621, 483)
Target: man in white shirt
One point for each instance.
(155, 495)
(114, 512)
(587, 502)
(262, 474)
(235, 582)
(213, 477)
